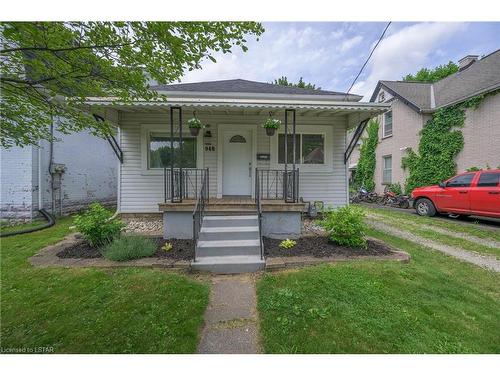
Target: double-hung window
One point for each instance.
(309, 149)
(387, 124)
(160, 147)
(387, 169)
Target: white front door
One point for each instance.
(237, 163)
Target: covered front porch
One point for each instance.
(231, 183)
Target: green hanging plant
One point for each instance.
(194, 123)
(272, 123)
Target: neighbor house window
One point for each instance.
(387, 169)
(387, 124)
(160, 151)
(309, 149)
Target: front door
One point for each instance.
(237, 163)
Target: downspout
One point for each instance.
(119, 180)
(51, 161)
(40, 198)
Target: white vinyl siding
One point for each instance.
(142, 189)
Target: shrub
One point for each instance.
(365, 170)
(288, 243)
(129, 247)
(396, 188)
(346, 226)
(96, 225)
(167, 247)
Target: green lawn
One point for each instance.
(414, 225)
(461, 227)
(434, 304)
(128, 310)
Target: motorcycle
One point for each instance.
(396, 200)
(363, 195)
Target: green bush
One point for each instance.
(129, 247)
(365, 170)
(96, 225)
(396, 188)
(287, 244)
(346, 226)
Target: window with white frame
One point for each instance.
(388, 124)
(309, 149)
(387, 169)
(160, 147)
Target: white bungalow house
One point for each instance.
(232, 184)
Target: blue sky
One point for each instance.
(331, 54)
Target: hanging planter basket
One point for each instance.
(270, 131)
(271, 125)
(194, 126)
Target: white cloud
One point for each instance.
(293, 51)
(405, 51)
(350, 43)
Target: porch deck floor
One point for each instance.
(233, 204)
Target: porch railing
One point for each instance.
(277, 184)
(183, 184)
(199, 209)
(258, 203)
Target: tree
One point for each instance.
(52, 68)
(367, 159)
(433, 75)
(283, 81)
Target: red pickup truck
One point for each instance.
(470, 193)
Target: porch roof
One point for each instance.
(356, 111)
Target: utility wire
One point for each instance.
(368, 59)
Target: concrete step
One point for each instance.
(228, 247)
(228, 264)
(229, 233)
(230, 221)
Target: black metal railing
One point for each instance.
(258, 203)
(277, 184)
(179, 184)
(199, 208)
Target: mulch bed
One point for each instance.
(182, 250)
(320, 246)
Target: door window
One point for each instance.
(488, 179)
(463, 180)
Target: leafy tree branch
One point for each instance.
(50, 69)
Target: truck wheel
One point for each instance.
(425, 207)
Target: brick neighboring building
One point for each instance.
(412, 105)
(90, 175)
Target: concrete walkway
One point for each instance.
(484, 261)
(231, 323)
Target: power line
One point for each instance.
(368, 59)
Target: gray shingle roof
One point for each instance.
(419, 94)
(482, 76)
(244, 86)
